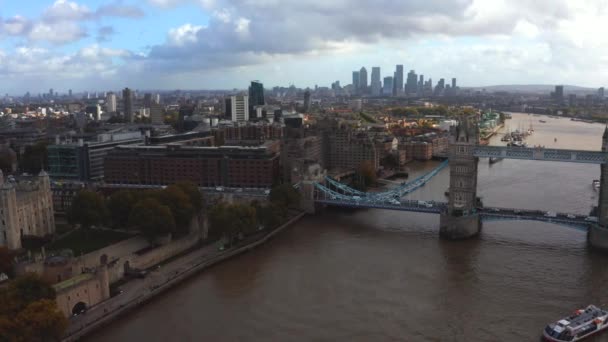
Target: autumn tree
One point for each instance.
(152, 218)
(120, 205)
(368, 173)
(193, 192)
(41, 321)
(88, 209)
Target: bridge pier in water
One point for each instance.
(597, 235)
(461, 220)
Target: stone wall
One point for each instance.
(92, 290)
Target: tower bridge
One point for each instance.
(461, 216)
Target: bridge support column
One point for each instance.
(459, 227)
(597, 237)
(460, 220)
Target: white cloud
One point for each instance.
(66, 10)
(15, 26)
(57, 33)
(183, 34)
(62, 22)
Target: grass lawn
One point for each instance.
(83, 241)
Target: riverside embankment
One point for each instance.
(140, 291)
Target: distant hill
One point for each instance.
(535, 88)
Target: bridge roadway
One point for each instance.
(581, 222)
(539, 153)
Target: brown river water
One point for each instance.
(376, 275)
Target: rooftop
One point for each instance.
(73, 281)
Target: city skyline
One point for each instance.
(172, 44)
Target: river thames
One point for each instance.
(375, 275)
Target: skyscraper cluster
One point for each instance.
(413, 85)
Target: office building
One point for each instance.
(157, 115)
(376, 81)
(256, 94)
(26, 209)
(412, 82)
(111, 103)
(363, 81)
(84, 160)
(387, 90)
(356, 80)
(440, 87)
(229, 166)
(600, 93)
(453, 83)
(157, 98)
(398, 80)
(421, 85)
(306, 100)
(239, 108)
(127, 101)
(147, 100)
(559, 93)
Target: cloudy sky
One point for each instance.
(213, 44)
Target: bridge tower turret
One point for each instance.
(461, 220)
(598, 233)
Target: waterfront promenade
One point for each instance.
(138, 291)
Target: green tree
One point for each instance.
(230, 220)
(284, 195)
(88, 209)
(41, 321)
(7, 261)
(193, 192)
(120, 205)
(35, 158)
(245, 218)
(180, 206)
(271, 215)
(152, 218)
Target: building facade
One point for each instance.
(239, 108)
(127, 100)
(347, 149)
(26, 209)
(230, 166)
(84, 160)
(376, 84)
(111, 106)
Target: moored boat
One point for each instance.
(580, 325)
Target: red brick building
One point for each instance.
(240, 167)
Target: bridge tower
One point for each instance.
(461, 220)
(598, 233)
